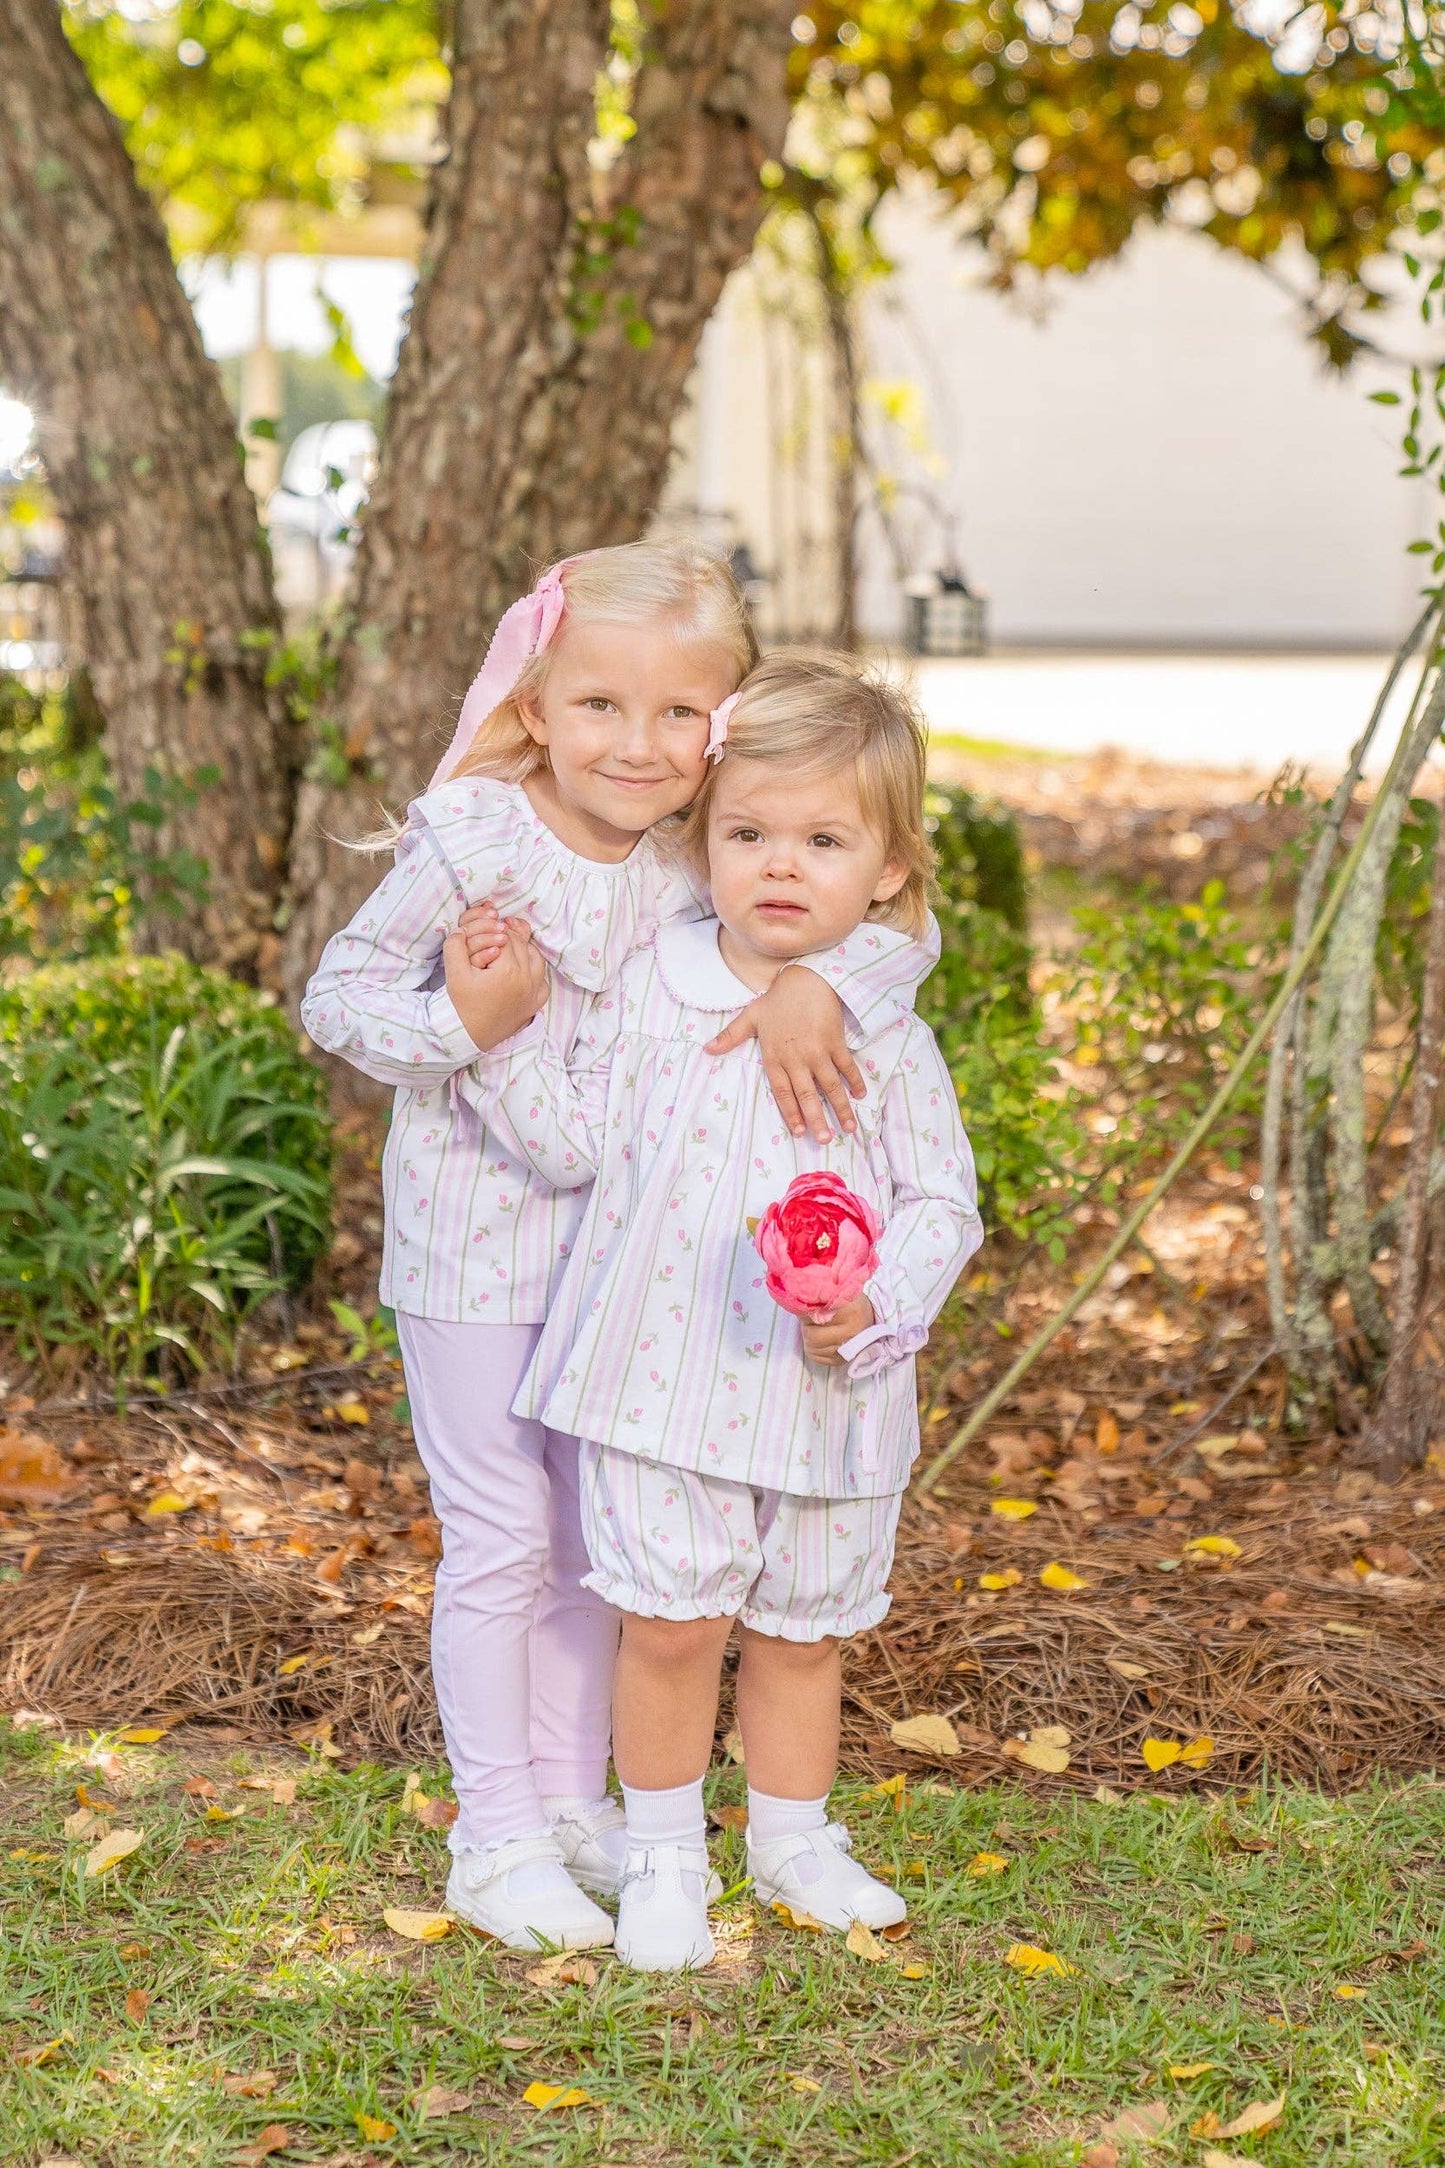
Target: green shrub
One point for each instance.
(74, 855)
(165, 1158)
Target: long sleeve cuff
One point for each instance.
(898, 1331)
(449, 1034)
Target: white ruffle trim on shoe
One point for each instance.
(815, 1872)
(592, 1836)
(545, 1909)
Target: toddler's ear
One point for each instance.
(892, 878)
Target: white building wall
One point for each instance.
(1160, 460)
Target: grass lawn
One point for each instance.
(1204, 1931)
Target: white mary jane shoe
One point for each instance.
(842, 1892)
(592, 1837)
(662, 1913)
(522, 1893)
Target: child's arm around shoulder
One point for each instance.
(864, 983)
(933, 1225)
(371, 998)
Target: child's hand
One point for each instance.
(824, 1335)
(798, 1024)
(499, 1000)
(486, 933)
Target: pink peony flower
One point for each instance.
(818, 1243)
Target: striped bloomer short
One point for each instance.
(675, 1543)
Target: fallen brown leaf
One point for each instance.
(137, 2003)
(250, 2084)
(32, 1472)
(1143, 2124)
(439, 2100)
(273, 2139)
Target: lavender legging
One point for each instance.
(522, 1654)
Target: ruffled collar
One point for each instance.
(692, 967)
(586, 914)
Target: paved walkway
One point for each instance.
(1203, 710)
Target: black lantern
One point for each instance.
(945, 616)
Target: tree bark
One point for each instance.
(164, 553)
(1394, 1426)
(556, 318)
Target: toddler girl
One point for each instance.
(738, 1464)
(585, 729)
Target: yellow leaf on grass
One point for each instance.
(538, 2095)
(353, 1411)
(1199, 1752)
(1347, 1991)
(45, 2052)
(987, 1863)
(1159, 1753)
(141, 1734)
(925, 1734)
(800, 2084)
(169, 1501)
(1013, 1509)
(82, 1822)
(1009, 1578)
(1213, 2158)
(565, 1968)
(1059, 1577)
(1259, 2115)
(792, 1916)
(288, 1664)
(1143, 2125)
(374, 2126)
(1189, 2070)
(418, 1926)
(117, 1846)
(1026, 1957)
(894, 1787)
(864, 1943)
(1212, 1547)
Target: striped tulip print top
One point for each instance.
(473, 1235)
(663, 1340)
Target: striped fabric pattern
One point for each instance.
(472, 1234)
(662, 1339)
(672, 1543)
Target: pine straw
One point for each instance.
(199, 1636)
(1279, 1690)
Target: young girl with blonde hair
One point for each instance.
(583, 735)
(740, 1464)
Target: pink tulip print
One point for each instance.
(819, 1243)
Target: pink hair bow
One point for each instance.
(529, 626)
(717, 735)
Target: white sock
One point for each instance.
(671, 1817)
(770, 1818)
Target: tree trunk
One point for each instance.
(556, 318)
(846, 435)
(1394, 1426)
(164, 552)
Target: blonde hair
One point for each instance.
(634, 583)
(813, 712)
